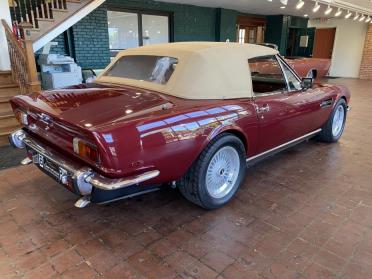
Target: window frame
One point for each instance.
(140, 13)
(282, 64)
(272, 93)
(104, 74)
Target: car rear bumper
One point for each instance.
(77, 178)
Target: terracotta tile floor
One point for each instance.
(306, 213)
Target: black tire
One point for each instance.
(326, 135)
(193, 184)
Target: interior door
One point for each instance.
(324, 42)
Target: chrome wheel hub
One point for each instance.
(222, 172)
(338, 121)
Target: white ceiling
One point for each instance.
(264, 7)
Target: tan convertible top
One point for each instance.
(205, 70)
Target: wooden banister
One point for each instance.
(22, 59)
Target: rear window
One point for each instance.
(156, 69)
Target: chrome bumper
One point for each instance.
(84, 178)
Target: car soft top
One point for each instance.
(205, 70)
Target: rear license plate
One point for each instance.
(49, 166)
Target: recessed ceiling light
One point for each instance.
(282, 7)
(306, 15)
(300, 4)
(338, 13)
(328, 11)
(316, 7)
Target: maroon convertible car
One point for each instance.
(190, 115)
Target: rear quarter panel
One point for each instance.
(172, 141)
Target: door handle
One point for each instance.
(264, 108)
(326, 103)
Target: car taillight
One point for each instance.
(86, 150)
(22, 117)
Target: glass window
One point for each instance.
(123, 30)
(133, 29)
(155, 29)
(242, 36)
(267, 75)
(293, 82)
(156, 69)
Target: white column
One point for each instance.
(4, 55)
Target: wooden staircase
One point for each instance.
(8, 122)
(40, 21)
(34, 24)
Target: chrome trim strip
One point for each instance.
(284, 145)
(88, 175)
(105, 183)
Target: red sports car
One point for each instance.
(315, 68)
(190, 115)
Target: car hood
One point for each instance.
(92, 106)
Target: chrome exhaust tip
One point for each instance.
(26, 161)
(82, 202)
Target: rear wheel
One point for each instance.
(334, 128)
(215, 177)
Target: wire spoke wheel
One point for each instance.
(222, 172)
(338, 121)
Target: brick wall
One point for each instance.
(366, 66)
(91, 42)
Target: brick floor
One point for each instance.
(306, 213)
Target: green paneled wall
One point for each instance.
(189, 23)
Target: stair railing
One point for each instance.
(22, 59)
(27, 13)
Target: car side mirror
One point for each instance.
(307, 83)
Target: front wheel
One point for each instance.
(215, 177)
(334, 128)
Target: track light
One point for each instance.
(356, 16)
(328, 11)
(338, 13)
(300, 4)
(362, 18)
(316, 7)
(348, 15)
(368, 19)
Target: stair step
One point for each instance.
(8, 120)
(9, 92)
(8, 85)
(5, 131)
(45, 19)
(5, 107)
(6, 77)
(59, 10)
(73, 1)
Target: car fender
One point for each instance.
(232, 129)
